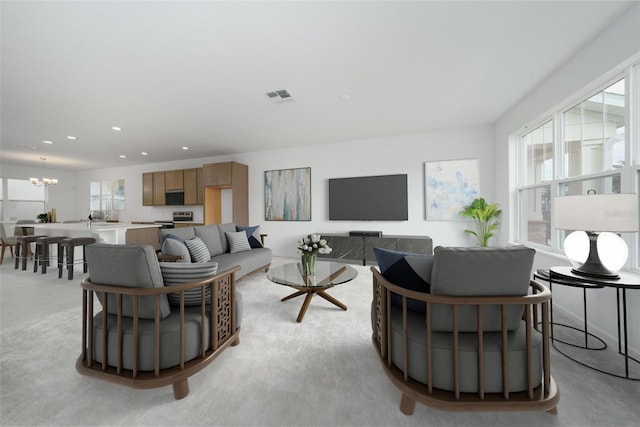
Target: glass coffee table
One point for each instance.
(328, 275)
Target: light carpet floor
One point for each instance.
(321, 372)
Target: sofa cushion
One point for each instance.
(174, 246)
(253, 235)
(131, 266)
(238, 241)
(408, 270)
(198, 250)
(181, 233)
(211, 237)
(249, 261)
(223, 229)
(178, 273)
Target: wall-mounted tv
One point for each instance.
(369, 198)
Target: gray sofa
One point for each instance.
(224, 243)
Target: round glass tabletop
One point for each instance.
(328, 274)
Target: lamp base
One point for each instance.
(610, 276)
(593, 266)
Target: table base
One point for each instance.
(309, 293)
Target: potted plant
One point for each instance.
(43, 217)
(485, 216)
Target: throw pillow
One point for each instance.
(175, 246)
(177, 274)
(198, 250)
(253, 235)
(408, 270)
(238, 241)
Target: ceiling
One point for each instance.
(196, 74)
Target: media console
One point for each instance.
(359, 248)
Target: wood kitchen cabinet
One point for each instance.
(174, 180)
(218, 177)
(147, 189)
(191, 186)
(156, 184)
(218, 174)
(158, 189)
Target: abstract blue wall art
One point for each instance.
(287, 195)
(450, 185)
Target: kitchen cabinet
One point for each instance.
(147, 189)
(174, 180)
(156, 184)
(222, 177)
(158, 189)
(191, 186)
(218, 174)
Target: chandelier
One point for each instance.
(44, 180)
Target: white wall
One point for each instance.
(617, 45)
(380, 156)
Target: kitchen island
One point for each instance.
(103, 232)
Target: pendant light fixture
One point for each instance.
(44, 180)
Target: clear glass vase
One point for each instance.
(308, 261)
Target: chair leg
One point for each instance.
(4, 248)
(36, 257)
(17, 259)
(70, 260)
(60, 260)
(181, 389)
(84, 259)
(407, 405)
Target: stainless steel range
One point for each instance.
(181, 216)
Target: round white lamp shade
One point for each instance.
(612, 250)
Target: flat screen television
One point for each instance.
(369, 198)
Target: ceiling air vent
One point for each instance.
(280, 95)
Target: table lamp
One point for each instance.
(594, 249)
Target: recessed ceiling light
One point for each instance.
(72, 137)
(122, 156)
(116, 128)
(345, 97)
(46, 141)
(144, 153)
(185, 148)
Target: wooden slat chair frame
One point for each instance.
(542, 398)
(222, 329)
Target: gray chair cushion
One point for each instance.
(178, 273)
(442, 345)
(211, 237)
(169, 339)
(490, 271)
(132, 266)
(222, 229)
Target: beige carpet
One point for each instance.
(321, 372)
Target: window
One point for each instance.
(594, 133)
(107, 196)
(582, 147)
(22, 200)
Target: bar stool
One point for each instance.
(23, 248)
(42, 254)
(68, 245)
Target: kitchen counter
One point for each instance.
(104, 232)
